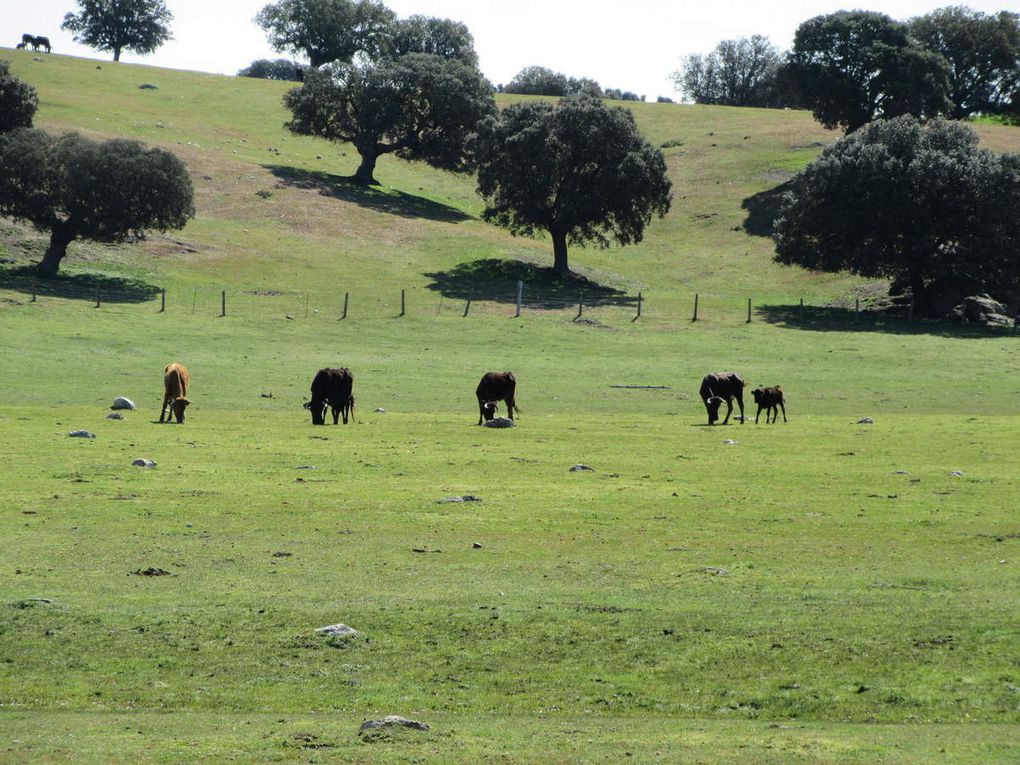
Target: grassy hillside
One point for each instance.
(820, 591)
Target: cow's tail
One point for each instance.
(517, 409)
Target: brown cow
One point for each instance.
(768, 399)
(493, 388)
(722, 387)
(175, 386)
(333, 388)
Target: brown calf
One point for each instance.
(769, 399)
(175, 387)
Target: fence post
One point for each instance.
(223, 303)
(910, 311)
(580, 306)
(857, 309)
(749, 310)
(346, 297)
(97, 296)
(34, 286)
(695, 318)
(401, 302)
(306, 305)
(467, 308)
(520, 297)
(638, 307)
(800, 311)
(162, 300)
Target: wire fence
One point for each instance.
(112, 293)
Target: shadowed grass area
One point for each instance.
(496, 280)
(77, 286)
(388, 201)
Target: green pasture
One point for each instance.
(819, 591)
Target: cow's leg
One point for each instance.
(510, 407)
(481, 410)
(336, 412)
(782, 405)
(758, 414)
(729, 411)
(740, 403)
(162, 414)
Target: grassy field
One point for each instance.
(821, 591)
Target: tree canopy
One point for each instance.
(18, 100)
(579, 170)
(427, 34)
(983, 56)
(417, 107)
(919, 204)
(737, 73)
(851, 67)
(278, 69)
(327, 30)
(74, 187)
(117, 25)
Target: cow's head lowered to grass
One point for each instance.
(177, 407)
(712, 403)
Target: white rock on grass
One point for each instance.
(393, 720)
(465, 498)
(115, 416)
(338, 631)
(123, 403)
(499, 422)
(581, 468)
(143, 462)
(81, 434)
(865, 421)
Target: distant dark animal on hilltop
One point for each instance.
(41, 42)
(175, 388)
(332, 388)
(493, 388)
(719, 388)
(27, 39)
(769, 399)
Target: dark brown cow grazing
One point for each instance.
(493, 388)
(768, 399)
(332, 388)
(41, 42)
(175, 387)
(722, 387)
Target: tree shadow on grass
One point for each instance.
(893, 321)
(763, 209)
(345, 188)
(111, 289)
(496, 280)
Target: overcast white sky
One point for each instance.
(628, 44)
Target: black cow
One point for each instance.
(722, 387)
(41, 42)
(20, 46)
(27, 39)
(768, 399)
(332, 388)
(493, 388)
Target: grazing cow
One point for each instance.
(175, 387)
(27, 39)
(493, 388)
(41, 42)
(20, 46)
(722, 387)
(769, 399)
(332, 388)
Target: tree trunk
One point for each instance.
(919, 293)
(61, 236)
(366, 171)
(560, 253)
(116, 54)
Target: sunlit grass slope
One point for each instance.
(817, 591)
